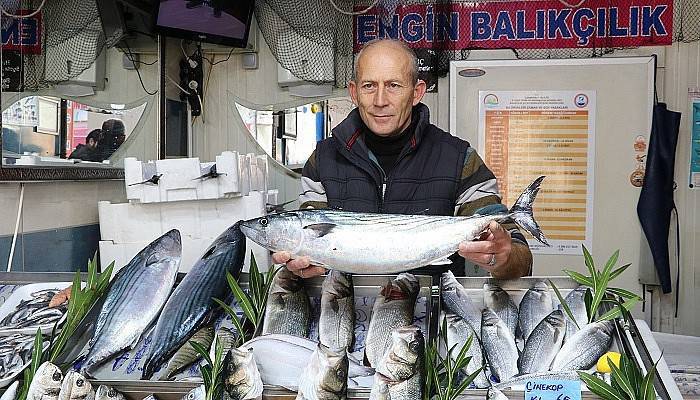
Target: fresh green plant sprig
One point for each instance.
(81, 300)
(627, 382)
(442, 373)
(598, 291)
(252, 302)
(212, 371)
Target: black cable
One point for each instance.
(138, 72)
(230, 53)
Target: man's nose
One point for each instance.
(380, 97)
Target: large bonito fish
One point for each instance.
(135, 297)
(363, 243)
(192, 301)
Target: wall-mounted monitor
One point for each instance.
(225, 22)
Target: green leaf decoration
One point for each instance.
(599, 387)
(241, 297)
(565, 306)
(620, 377)
(618, 271)
(581, 279)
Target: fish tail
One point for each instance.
(521, 212)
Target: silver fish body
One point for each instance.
(10, 392)
(577, 305)
(46, 384)
(326, 376)
(108, 393)
(198, 393)
(585, 347)
(543, 344)
(457, 301)
(242, 379)
(281, 358)
(186, 354)
(500, 302)
(288, 308)
(400, 374)
(458, 332)
(347, 241)
(393, 308)
(134, 299)
(534, 307)
(192, 301)
(336, 328)
(499, 346)
(226, 337)
(495, 394)
(75, 387)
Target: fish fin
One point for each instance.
(521, 212)
(321, 229)
(442, 261)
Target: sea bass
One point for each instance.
(226, 337)
(336, 327)
(242, 379)
(584, 348)
(400, 374)
(198, 393)
(457, 301)
(500, 302)
(326, 376)
(186, 354)
(393, 308)
(458, 332)
(76, 387)
(281, 358)
(288, 308)
(46, 384)
(364, 243)
(543, 344)
(192, 300)
(10, 392)
(534, 307)
(135, 297)
(577, 305)
(108, 393)
(499, 346)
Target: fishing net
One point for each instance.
(70, 39)
(314, 38)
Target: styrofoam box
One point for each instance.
(180, 179)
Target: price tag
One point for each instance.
(552, 390)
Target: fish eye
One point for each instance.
(263, 221)
(57, 376)
(79, 383)
(340, 373)
(111, 393)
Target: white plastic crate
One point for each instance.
(183, 179)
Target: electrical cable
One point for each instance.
(352, 12)
(14, 236)
(35, 12)
(139, 73)
(176, 84)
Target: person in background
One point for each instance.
(112, 137)
(386, 157)
(88, 151)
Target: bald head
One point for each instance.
(397, 47)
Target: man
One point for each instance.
(112, 137)
(386, 157)
(88, 151)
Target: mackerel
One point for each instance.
(393, 308)
(192, 302)
(135, 297)
(187, 354)
(365, 243)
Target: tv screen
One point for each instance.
(224, 22)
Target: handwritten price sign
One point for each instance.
(552, 390)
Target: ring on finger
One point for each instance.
(492, 260)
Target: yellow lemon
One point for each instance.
(602, 365)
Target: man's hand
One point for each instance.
(496, 253)
(299, 266)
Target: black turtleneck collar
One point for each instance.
(388, 148)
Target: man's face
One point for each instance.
(383, 91)
(91, 143)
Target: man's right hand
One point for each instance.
(299, 266)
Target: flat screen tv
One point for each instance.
(225, 22)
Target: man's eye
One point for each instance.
(367, 86)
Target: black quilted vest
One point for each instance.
(424, 180)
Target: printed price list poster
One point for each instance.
(527, 134)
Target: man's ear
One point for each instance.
(352, 89)
(419, 91)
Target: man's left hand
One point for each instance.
(492, 251)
